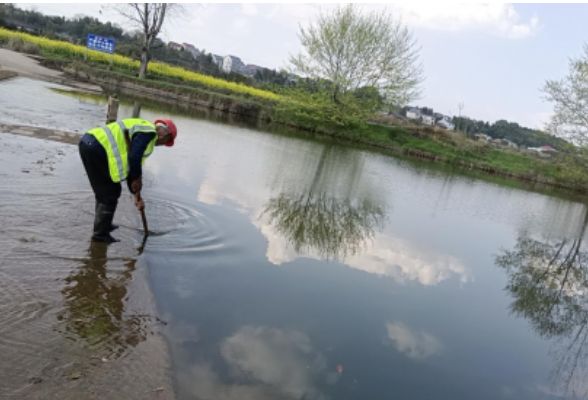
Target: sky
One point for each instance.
(493, 58)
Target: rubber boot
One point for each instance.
(103, 224)
(113, 227)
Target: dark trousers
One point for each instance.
(95, 162)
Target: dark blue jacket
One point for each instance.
(139, 144)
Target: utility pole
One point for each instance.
(460, 106)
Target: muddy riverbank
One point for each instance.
(14, 64)
(4, 75)
(76, 320)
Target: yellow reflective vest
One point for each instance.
(112, 138)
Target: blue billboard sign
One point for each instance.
(100, 43)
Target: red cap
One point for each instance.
(172, 127)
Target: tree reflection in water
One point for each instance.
(333, 228)
(329, 218)
(548, 281)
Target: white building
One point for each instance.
(193, 50)
(483, 137)
(251, 69)
(413, 113)
(218, 60)
(175, 46)
(428, 119)
(232, 64)
(445, 124)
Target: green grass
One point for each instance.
(470, 154)
(516, 163)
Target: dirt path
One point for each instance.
(27, 66)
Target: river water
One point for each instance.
(287, 267)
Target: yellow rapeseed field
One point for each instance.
(155, 68)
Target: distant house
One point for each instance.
(396, 114)
(251, 69)
(291, 80)
(175, 46)
(428, 119)
(543, 149)
(547, 149)
(483, 137)
(218, 60)
(193, 50)
(445, 123)
(413, 113)
(233, 64)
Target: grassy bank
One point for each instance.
(312, 112)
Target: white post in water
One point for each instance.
(112, 113)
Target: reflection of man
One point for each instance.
(95, 301)
(115, 152)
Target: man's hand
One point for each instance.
(137, 185)
(139, 204)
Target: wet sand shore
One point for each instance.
(14, 64)
(77, 320)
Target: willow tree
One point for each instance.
(548, 280)
(351, 49)
(570, 100)
(318, 218)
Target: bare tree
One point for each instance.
(570, 99)
(460, 107)
(354, 50)
(149, 18)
